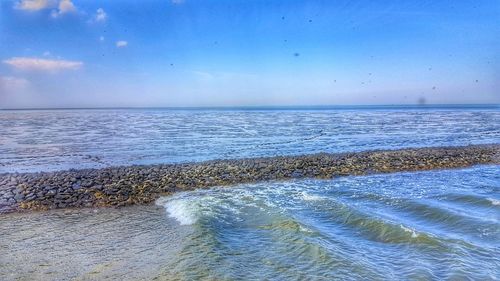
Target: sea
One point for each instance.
(430, 225)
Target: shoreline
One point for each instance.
(138, 185)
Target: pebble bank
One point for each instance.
(121, 186)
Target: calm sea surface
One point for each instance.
(405, 226)
(62, 139)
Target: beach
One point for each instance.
(183, 140)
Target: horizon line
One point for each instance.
(264, 107)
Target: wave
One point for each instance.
(471, 199)
(181, 209)
(375, 227)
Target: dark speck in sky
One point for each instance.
(296, 54)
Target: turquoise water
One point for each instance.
(44, 140)
(406, 226)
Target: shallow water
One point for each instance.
(418, 226)
(62, 139)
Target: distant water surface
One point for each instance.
(47, 140)
(435, 225)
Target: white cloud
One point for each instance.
(34, 5)
(100, 15)
(59, 7)
(121, 44)
(37, 64)
(101, 38)
(64, 7)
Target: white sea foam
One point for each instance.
(183, 210)
(310, 197)
(187, 208)
(493, 201)
(414, 234)
(304, 229)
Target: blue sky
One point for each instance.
(70, 53)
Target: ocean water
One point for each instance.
(47, 140)
(434, 225)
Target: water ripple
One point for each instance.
(64, 139)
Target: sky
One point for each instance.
(176, 53)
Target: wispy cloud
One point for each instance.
(100, 15)
(121, 44)
(47, 65)
(203, 75)
(13, 83)
(223, 76)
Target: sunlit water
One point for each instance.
(407, 226)
(63, 139)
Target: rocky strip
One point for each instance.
(120, 186)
